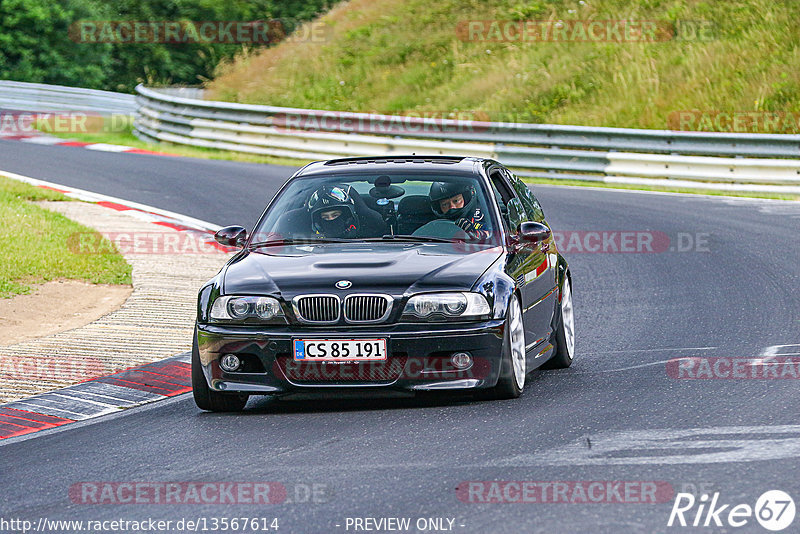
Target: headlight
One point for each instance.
(446, 306)
(240, 308)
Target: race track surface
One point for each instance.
(619, 414)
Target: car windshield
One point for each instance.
(368, 207)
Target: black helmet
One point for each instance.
(333, 197)
(442, 190)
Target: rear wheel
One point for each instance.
(513, 368)
(565, 331)
(204, 396)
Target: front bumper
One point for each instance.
(418, 357)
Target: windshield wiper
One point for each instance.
(298, 241)
(410, 239)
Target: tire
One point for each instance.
(206, 398)
(564, 331)
(513, 369)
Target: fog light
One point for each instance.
(230, 363)
(461, 360)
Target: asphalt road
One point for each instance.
(616, 415)
(218, 191)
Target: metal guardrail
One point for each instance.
(725, 161)
(617, 139)
(543, 150)
(36, 97)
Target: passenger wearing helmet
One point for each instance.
(458, 202)
(333, 212)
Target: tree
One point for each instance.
(35, 44)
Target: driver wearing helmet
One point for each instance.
(333, 212)
(458, 203)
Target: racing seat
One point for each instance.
(294, 223)
(372, 224)
(371, 203)
(297, 222)
(413, 212)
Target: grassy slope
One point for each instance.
(395, 56)
(35, 244)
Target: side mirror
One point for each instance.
(533, 232)
(231, 236)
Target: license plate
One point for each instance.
(339, 350)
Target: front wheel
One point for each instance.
(565, 331)
(513, 367)
(205, 397)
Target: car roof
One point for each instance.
(394, 164)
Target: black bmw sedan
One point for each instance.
(409, 273)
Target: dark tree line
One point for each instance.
(38, 41)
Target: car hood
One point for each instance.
(391, 268)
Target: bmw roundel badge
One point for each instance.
(344, 284)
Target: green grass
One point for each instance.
(406, 55)
(35, 244)
(582, 183)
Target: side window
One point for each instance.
(510, 207)
(527, 197)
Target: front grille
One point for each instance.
(367, 308)
(317, 308)
(307, 373)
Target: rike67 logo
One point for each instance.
(774, 510)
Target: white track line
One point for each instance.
(89, 196)
(105, 147)
(42, 140)
(650, 350)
